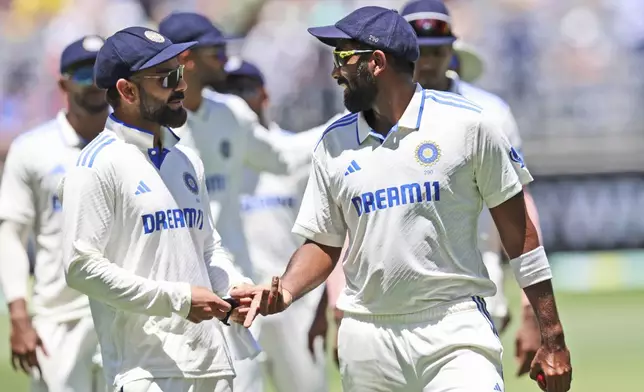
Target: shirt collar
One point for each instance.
(68, 133)
(141, 138)
(410, 118)
(455, 82)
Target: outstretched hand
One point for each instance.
(262, 299)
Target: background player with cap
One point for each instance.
(221, 128)
(138, 235)
(57, 349)
(293, 359)
(432, 23)
(406, 177)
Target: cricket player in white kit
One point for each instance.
(269, 208)
(57, 349)
(406, 177)
(221, 128)
(139, 239)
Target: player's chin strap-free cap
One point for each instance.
(236, 66)
(431, 22)
(131, 50)
(189, 26)
(377, 27)
(84, 50)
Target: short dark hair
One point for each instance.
(113, 97)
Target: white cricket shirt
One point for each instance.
(410, 202)
(138, 233)
(224, 133)
(36, 162)
(494, 106)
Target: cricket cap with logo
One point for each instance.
(132, 50)
(189, 26)
(378, 27)
(430, 21)
(81, 51)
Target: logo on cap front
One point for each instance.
(154, 36)
(92, 44)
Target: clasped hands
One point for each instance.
(259, 299)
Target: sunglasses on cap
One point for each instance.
(342, 57)
(83, 76)
(171, 80)
(431, 28)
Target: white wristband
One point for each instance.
(531, 268)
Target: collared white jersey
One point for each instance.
(493, 106)
(138, 234)
(223, 132)
(36, 162)
(270, 203)
(410, 202)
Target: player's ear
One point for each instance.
(62, 85)
(185, 58)
(127, 90)
(379, 61)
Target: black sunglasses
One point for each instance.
(171, 80)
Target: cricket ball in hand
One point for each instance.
(541, 380)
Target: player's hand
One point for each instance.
(319, 327)
(262, 299)
(527, 341)
(552, 361)
(337, 315)
(24, 343)
(206, 305)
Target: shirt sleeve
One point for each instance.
(511, 130)
(17, 198)
(88, 218)
(320, 218)
(499, 169)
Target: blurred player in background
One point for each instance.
(138, 235)
(221, 128)
(269, 208)
(405, 177)
(439, 52)
(57, 348)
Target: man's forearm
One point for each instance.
(542, 299)
(92, 274)
(14, 261)
(309, 267)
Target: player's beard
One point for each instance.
(159, 112)
(361, 90)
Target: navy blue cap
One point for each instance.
(235, 66)
(83, 50)
(431, 22)
(378, 27)
(188, 26)
(131, 50)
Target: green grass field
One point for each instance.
(605, 333)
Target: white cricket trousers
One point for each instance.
(69, 367)
(216, 384)
(452, 347)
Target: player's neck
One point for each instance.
(134, 120)
(192, 97)
(87, 126)
(390, 105)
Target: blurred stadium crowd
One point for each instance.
(570, 69)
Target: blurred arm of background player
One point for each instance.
(17, 211)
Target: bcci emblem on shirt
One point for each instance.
(427, 153)
(191, 183)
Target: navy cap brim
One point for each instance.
(435, 41)
(328, 35)
(166, 54)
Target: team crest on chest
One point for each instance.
(191, 183)
(427, 153)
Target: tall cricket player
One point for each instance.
(139, 239)
(56, 349)
(406, 177)
(431, 21)
(220, 127)
(269, 209)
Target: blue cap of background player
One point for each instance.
(188, 26)
(84, 50)
(431, 21)
(378, 27)
(131, 50)
(235, 66)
